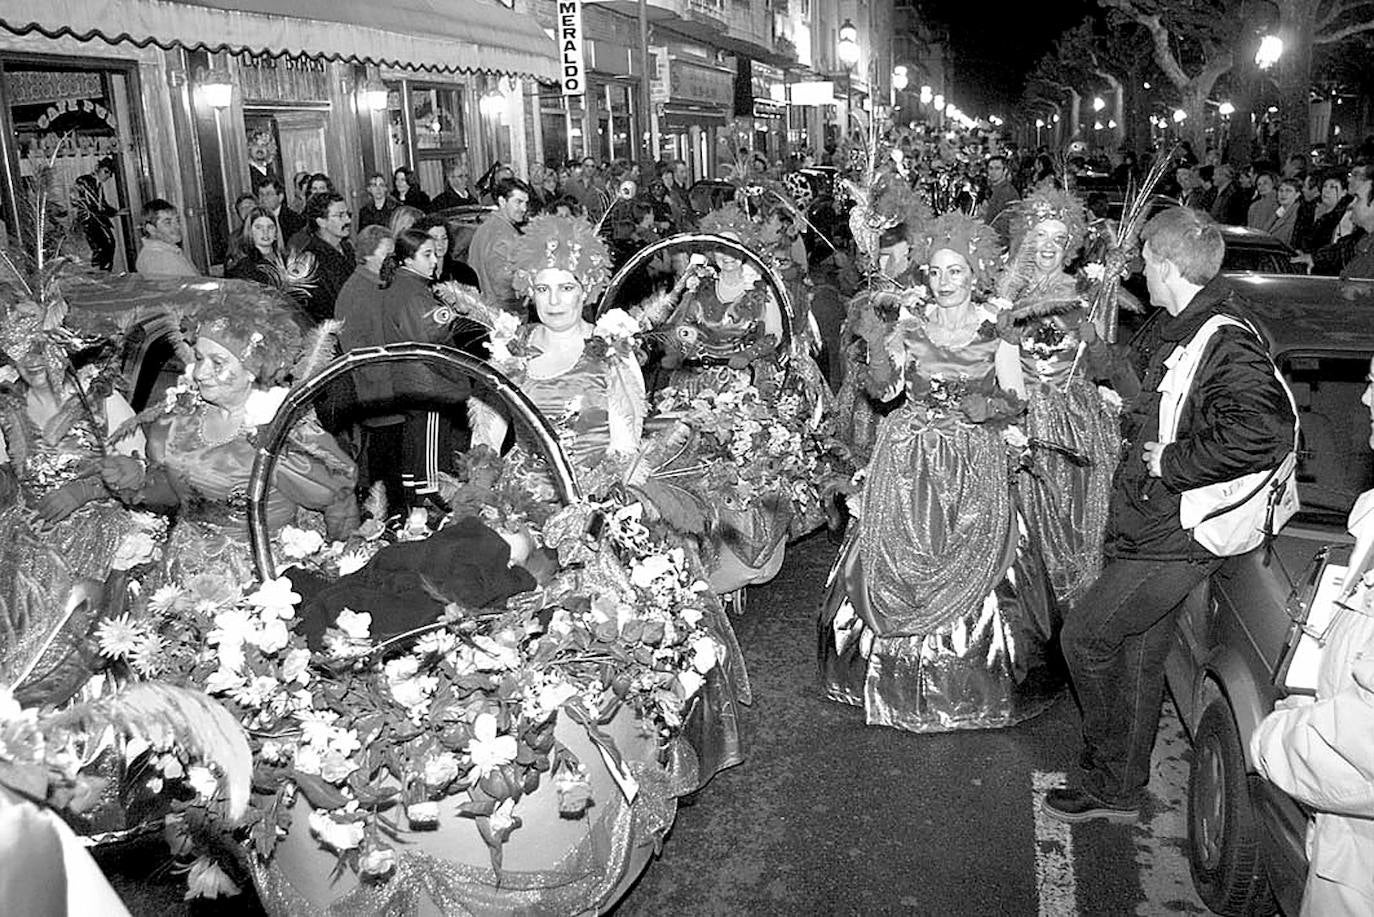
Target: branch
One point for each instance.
(1341, 34)
(1164, 55)
(1336, 10)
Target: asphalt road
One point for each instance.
(830, 816)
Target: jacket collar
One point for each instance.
(1202, 307)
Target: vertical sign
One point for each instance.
(572, 76)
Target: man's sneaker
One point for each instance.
(1075, 806)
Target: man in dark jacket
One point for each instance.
(1236, 420)
(330, 222)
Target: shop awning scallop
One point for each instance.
(463, 36)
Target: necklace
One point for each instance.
(207, 439)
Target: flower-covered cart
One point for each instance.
(476, 710)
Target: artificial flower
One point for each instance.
(276, 596)
(296, 666)
(441, 769)
(299, 544)
(136, 548)
(422, 815)
(202, 780)
(355, 624)
(352, 562)
(262, 405)
(339, 836)
(205, 879)
(503, 819)
(705, 654)
(487, 750)
(119, 637)
(378, 862)
(165, 598)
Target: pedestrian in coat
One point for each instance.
(1236, 420)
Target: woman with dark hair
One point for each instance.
(429, 397)
(1330, 208)
(259, 242)
(405, 187)
(447, 267)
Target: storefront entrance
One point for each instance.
(59, 120)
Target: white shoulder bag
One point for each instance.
(1229, 517)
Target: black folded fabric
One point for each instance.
(466, 562)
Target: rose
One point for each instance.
(705, 654)
(354, 624)
(276, 597)
(135, 548)
(378, 862)
(202, 780)
(441, 769)
(296, 666)
(333, 834)
(300, 543)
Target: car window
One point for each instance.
(1335, 463)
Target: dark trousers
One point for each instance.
(379, 459)
(1115, 643)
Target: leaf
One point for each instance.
(674, 505)
(322, 795)
(62, 661)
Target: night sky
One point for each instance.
(996, 44)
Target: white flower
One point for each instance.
(262, 405)
(1094, 270)
(356, 624)
(164, 598)
(333, 834)
(690, 683)
(487, 750)
(413, 693)
(441, 769)
(257, 691)
(378, 861)
(649, 569)
(616, 325)
(119, 637)
(135, 548)
(300, 543)
(202, 780)
(10, 708)
(352, 562)
(271, 636)
(8, 375)
(1110, 397)
(691, 615)
(503, 819)
(705, 654)
(205, 879)
(504, 325)
(1015, 437)
(401, 669)
(276, 597)
(296, 666)
(494, 655)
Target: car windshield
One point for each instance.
(1335, 463)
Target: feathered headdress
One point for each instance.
(566, 243)
(732, 222)
(1050, 204)
(974, 239)
(889, 201)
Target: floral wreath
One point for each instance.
(254, 328)
(1050, 204)
(973, 239)
(565, 243)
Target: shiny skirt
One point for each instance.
(995, 668)
(1065, 499)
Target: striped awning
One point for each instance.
(464, 36)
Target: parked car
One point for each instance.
(1246, 837)
(1250, 251)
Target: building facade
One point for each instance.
(178, 92)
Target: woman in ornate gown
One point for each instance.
(728, 325)
(595, 399)
(936, 617)
(1051, 355)
(201, 449)
(58, 523)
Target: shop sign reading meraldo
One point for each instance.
(571, 74)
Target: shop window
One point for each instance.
(64, 121)
(439, 119)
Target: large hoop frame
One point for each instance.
(743, 252)
(304, 394)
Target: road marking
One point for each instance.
(1053, 852)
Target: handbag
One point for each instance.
(1235, 516)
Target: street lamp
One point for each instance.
(1270, 50)
(847, 50)
(1098, 103)
(899, 77)
(1226, 109)
(927, 95)
(1179, 115)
